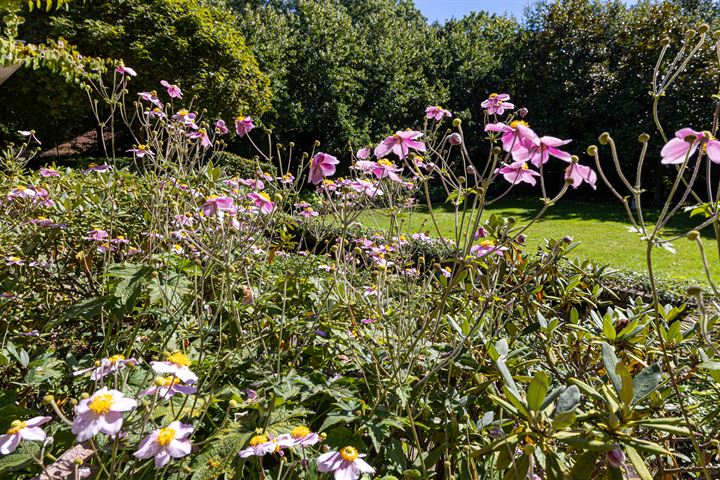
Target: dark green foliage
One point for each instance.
(193, 43)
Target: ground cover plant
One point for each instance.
(166, 319)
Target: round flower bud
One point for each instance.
(159, 381)
(703, 28)
(567, 239)
(456, 122)
(317, 143)
(665, 42)
(694, 290)
(643, 138)
(154, 274)
(85, 395)
(496, 150)
(461, 179)
(455, 139)
(716, 34)
(690, 34)
(233, 403)
(592, 150)
(381, 267)
(615, 457)
(693, 235)
(574, 159)
(522, 112)
(421, 261)
(73, 401)
(521, 239)
(291, 144)
(690, 138)
(269, 131)
(48, 399)
(78, 461)
(569, 181)
(604, 139)
(357, 251)
(613, 422)
(436, 267)
(278, 197)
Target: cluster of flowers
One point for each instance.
(524, 145)
(103, 411)
(183, 118)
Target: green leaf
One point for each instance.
(563, 420)
(569, 399)
(507, 376)
(608, 328)
(610, 361)
(585, 465)
(626, 391)
(638, 463)
(537, 390)
(646, 382)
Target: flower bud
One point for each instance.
(604, 138)
(613, 422)
(615, 457)
(496, 150)
(522, 112)
(567, 239)
(154, 274)
(85, 395)
(455, 139)
(357, 251)
(269, 131)
(693, 235)
(436, 267)
(317, 143)
(569, 181)
(77, 461)
(456, 122)
(665, 42)
(592, 150)
(461, 179)
(690, 138)
(690, 34)
(48, 399)
(291, 144)
(716, 34)
(233, 403)
(703, 28)
(644, 138)
(421, 261)
(159, 381)
(521, 239)
(574, 159)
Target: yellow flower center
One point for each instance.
(14, 259)
(385, 162)
(142, 147)
(264, 196)
(180, 359)
(487, 243)
(15, 427)
(202, 131)
(182, 112)
(349, 454)
(101, 404)
(116, 358)
(21, 188)
(517, 123)
(300, 432)
(165, 436)
(169, 381)
(525, 166)
(258, 440)
(493, 95)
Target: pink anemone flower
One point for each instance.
(364, 153)
(400, 144)
(217, 205)
(48, 172)
(514, 136)
(346, 464)
(176, 364)
(123, 70)
(141, 150)
(202, 135)
(486, 247)
(23, 430)
(677, 149)
(185, 117)
(151, 97)
(436, 112)
(173, 91)
(261, 445)
(518, 172)
(540, 154)
(497, 103)
(166, 443)
(220, 127)
(579, 174)
(322, 165)
(262, 201)
(102, 412)
(106, 366)
(243, 125)
(299, 436)
(166, 387)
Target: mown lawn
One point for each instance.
(602, 229)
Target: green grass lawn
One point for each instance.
(601, 229)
